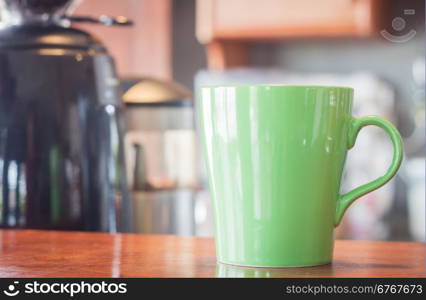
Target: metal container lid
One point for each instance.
(155, 92)
(50, 36)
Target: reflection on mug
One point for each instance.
(232, 271)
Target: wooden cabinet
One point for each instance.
(224, 25)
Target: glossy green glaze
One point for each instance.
(275, 156)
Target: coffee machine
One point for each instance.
(62, 160)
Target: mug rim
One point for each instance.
(281, 86)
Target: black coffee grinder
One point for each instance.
(61, 143)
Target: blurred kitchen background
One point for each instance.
(175, 46)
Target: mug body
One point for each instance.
(274, 156)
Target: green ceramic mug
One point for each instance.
(274, 157)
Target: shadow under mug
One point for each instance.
(275, 156)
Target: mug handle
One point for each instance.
(345, 200)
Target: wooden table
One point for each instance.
(31, 253)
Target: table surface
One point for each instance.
(32, 253)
